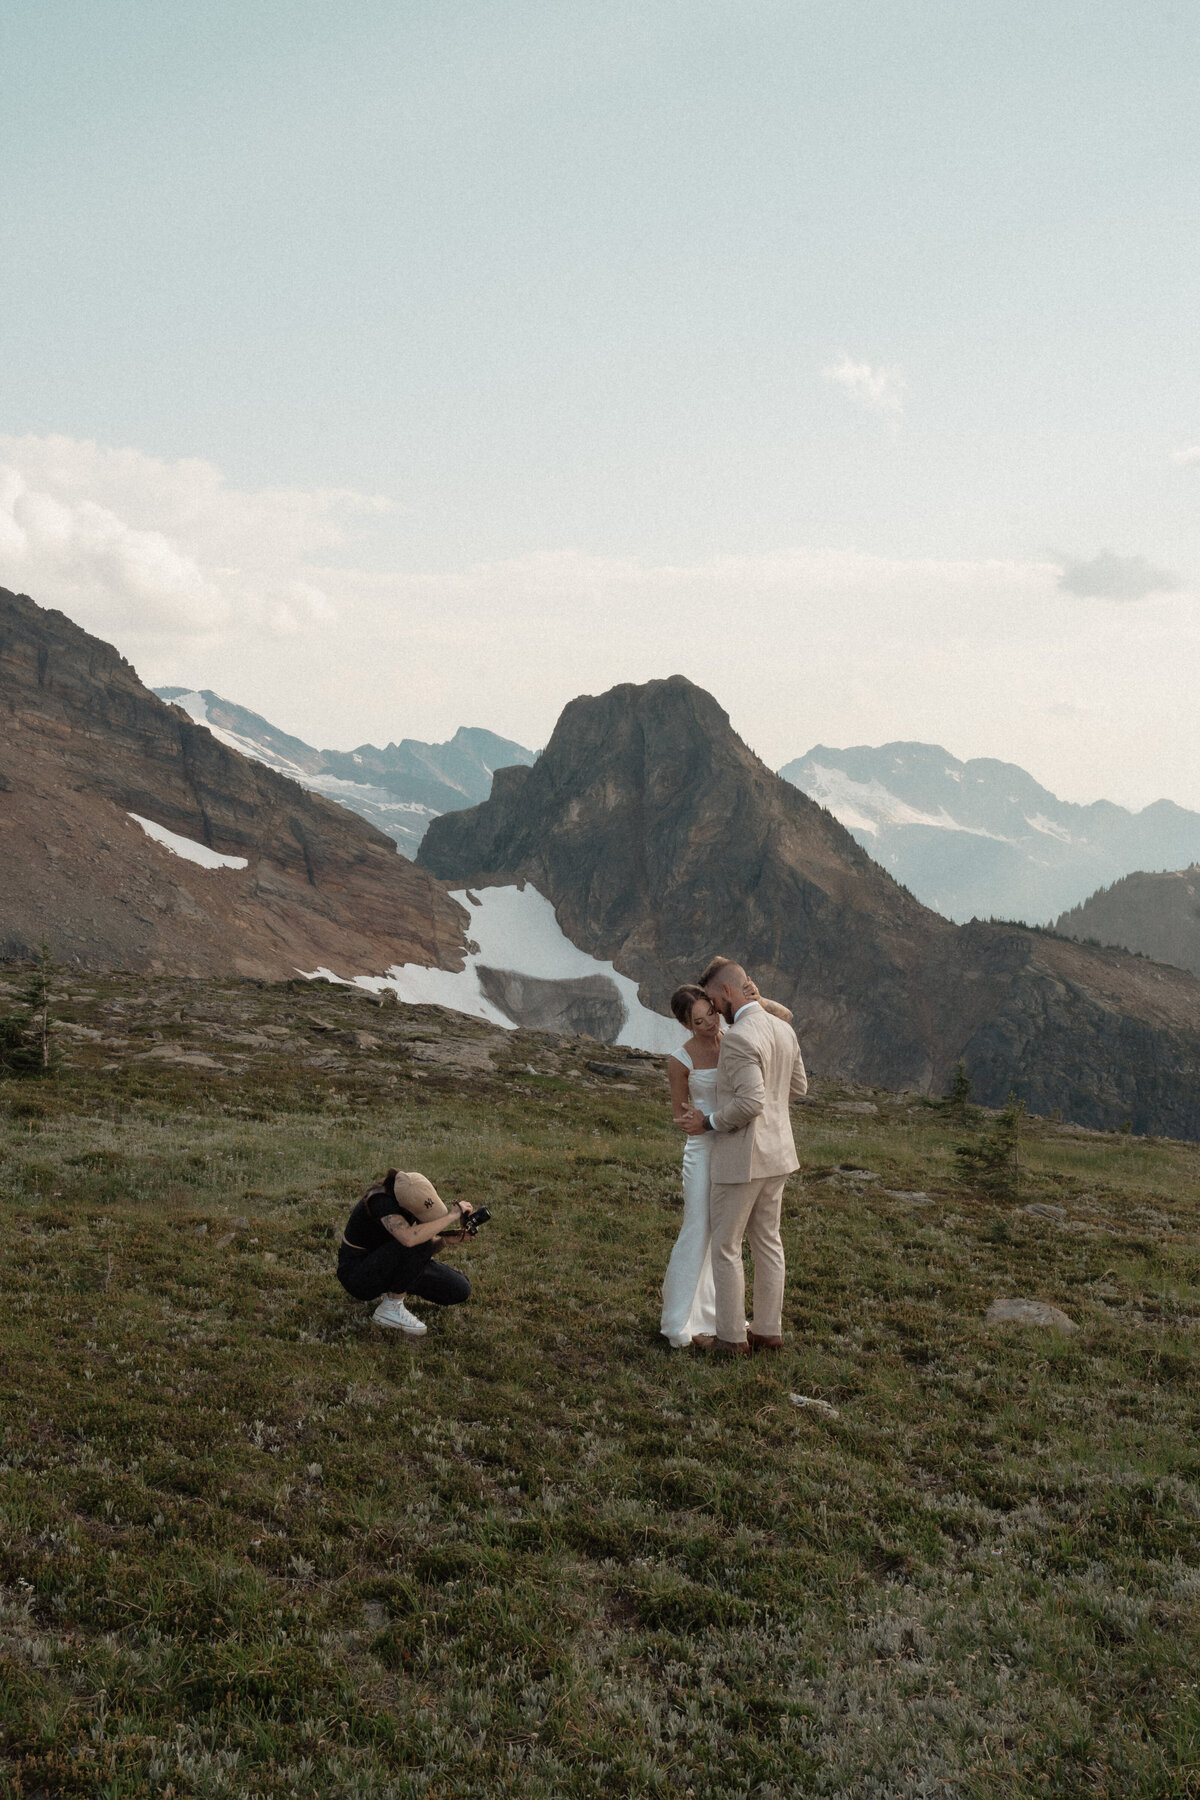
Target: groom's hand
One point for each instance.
(694, 1122)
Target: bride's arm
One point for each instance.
(677, 1081)
(775, 1007)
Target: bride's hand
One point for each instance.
(693, 1122)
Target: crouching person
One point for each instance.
(387, 1252)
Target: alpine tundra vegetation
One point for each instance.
(251, 1546)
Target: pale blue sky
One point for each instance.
(560, 281)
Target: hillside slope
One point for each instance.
(661, 839)
(86, 745)
(399, 788)
(1156, 915)
(983, 839)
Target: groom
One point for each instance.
(759, 1071)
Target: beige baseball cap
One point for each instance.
(417, 1194)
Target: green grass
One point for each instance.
(249, 1545)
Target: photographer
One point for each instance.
(387, 1251)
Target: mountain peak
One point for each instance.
(661, 839)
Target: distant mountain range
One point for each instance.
(1157, 915)
(647, 837)
(983, 839)
(399, 788)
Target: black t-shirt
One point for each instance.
(363, 1230)
(365, 1233)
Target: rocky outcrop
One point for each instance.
(86, 745)
(661, 839)
(585, 1006)
(1155, 915)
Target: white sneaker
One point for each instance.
(397, 1315)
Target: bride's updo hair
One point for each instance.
(683, 1000)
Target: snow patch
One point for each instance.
(515, 928)
(375, 804)
(194, 706)
(868, 805)
(1041, 823)
(187, 847)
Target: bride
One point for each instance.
(689, 1314)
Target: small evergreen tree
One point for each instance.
(958, 1094)
(993, 1163)
(26, 1046)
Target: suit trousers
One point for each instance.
(747, 1209)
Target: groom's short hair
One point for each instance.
(714, 969)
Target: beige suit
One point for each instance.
(759, 1072)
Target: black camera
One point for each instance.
(473, 1220)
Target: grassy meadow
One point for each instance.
(250, 1545)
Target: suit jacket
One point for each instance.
(760, 1069)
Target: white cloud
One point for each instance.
(131, 545)
(879, 390)
(1107, 576)
(255, 595)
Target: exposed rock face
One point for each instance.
(587, 1006)
(86, 745)
(662, 840)
(1158, 915)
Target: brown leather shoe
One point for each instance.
(725, 1348)
(763, 1343)
(702, 1341)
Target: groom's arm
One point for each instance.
(799, 1082)
(743, 1071)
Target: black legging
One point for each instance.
(366, 1274)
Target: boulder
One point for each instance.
(1028, 1312)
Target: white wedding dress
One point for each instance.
(689, 1299)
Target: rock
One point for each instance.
(175, 1053)
(584, 1006)
(464, 1053)
(848, 1172)
(361, 1040)
(913, 1199)
(1041, 1209)
(855, 1106)
(1028, 1312)
(241, 1224)
(808, 1404)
